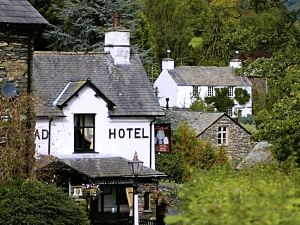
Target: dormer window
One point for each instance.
(210, 91)
(84, 133)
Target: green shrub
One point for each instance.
(241, 95)
(263, 195)
(34, 203)
(221, 100)
(189, 154)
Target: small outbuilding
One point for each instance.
(221, 130)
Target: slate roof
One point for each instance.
(199, 121)
(20, 12)
(73, 88)
(127, 86)
(107, 167)
(207, 76)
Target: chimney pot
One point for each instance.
(116, 20)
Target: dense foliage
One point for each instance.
(16, 137)
(224, 196)
(241, 96)
(189, 154)
(201, 106)
(281, 127)
(221, 101)
(35, 203)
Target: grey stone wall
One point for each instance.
(14, 60)
(239, 141)
(151, 213)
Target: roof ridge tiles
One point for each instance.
(68, 53)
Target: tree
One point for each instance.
(48, 8)
(224, 196)
(222, 17)
(82, 24)
(32, 202)
(169, 26)
(281, 126)
(265, 27)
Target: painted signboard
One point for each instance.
(162, 137)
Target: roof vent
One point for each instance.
(9, 90)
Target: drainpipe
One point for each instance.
(29, 61)
(151, 123)
(49, 136)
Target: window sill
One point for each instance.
(85, 152)
(148, 211)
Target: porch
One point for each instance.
(117, 218)
(105, 187)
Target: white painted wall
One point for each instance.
(167, 88)
(184, 96)
(181, 96)
(118, 44)
(62, 131)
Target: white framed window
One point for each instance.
(210, 91)
(84, 133)
(223, 135)
(231, 91)
(195, 91)
(229, 111)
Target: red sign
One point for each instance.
(162, 137)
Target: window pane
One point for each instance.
(78, 120)
(88, 137)
(84, 127)
(89, 120)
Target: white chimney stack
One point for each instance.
(167, 64)
(117, 42)
(236, 62)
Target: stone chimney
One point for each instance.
(117, 42)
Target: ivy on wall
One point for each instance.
(221, 100)
(241, 95)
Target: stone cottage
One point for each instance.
(219, 129)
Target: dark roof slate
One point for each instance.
(69, 91)
(107, 167)
(20, 12)
(127, 86)
(207, 76)
(199, 121)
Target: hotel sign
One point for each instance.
(162, 137)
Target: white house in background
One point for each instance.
(178, 85)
